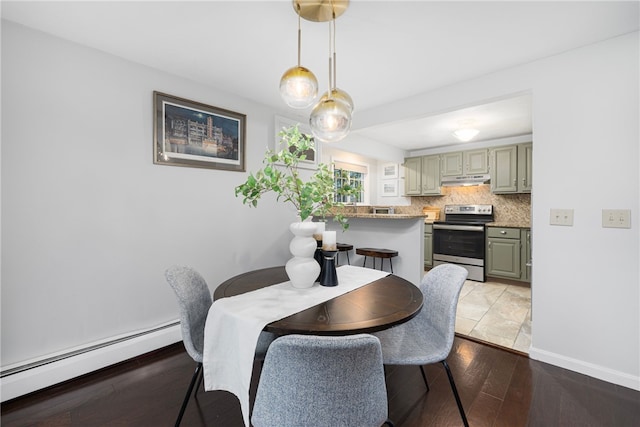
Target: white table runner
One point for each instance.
(234, 324)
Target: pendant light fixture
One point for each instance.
(330, 118)
(298, 85)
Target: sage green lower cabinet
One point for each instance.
(509, 253)
(525, 239)
(428, 245)
(503, 253)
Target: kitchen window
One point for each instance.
(352, 174)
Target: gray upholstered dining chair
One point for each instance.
(194, 299)
(428, 337)
(322, 381)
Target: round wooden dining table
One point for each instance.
(375, 306)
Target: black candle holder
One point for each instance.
(328, 274)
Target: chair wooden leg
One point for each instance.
(188, 395)
(424, 377)
(455, 393)
(391, 265)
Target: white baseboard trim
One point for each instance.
(65, 368)
(586, 368)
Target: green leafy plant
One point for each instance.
(314, 197)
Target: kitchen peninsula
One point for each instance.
(401, 232)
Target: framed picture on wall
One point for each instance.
(389, 170)
(389, 188)
(313, 156)
(188, 133)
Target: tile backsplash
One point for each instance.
(508, 208)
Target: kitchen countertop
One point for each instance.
(510, 224)
(382, 216)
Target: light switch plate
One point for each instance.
(616, 218)
(561, 217)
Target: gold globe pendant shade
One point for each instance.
(320, 10)
(330, 120)
(339, 95)
(298, 87)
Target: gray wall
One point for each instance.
(89, 223)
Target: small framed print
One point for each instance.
(390, 188)
(313, 156)
(188, 133)
(389, 170)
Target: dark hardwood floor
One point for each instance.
(497, 387)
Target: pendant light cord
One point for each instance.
(299, 35)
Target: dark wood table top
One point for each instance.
(378, 305)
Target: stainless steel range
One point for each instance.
(460, 238)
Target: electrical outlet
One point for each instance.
(616, 218)
(561, 217)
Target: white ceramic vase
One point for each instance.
(302, 269)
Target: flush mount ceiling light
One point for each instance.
(330, 118)
(466, 134)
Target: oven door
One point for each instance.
(466, 241)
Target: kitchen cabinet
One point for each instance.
(511, 169)
(525, 239)
(428, 245)
(509, 253)
(525, 162)
(422, 176)
(451, 164)
(412, 176)
(472, 162)
(430, 176)
(476, 162)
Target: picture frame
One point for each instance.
(313, 157)
(389, 170)
(389, 188)
(193, 134)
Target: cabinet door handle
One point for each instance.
(515, 181)
(524, 181)
(503, 232)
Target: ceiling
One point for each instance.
(387, 50)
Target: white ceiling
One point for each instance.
(387, 50)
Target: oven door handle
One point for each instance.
(479, 228)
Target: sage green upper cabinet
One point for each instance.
(525, 156)
(422, 176)
(472, 162)
(412, 176)
(504, 169)
(452, 164)
(511, 169)
(431, 175)
(476, 162)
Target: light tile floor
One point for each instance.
(496, 312)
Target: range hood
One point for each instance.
(455, 181)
